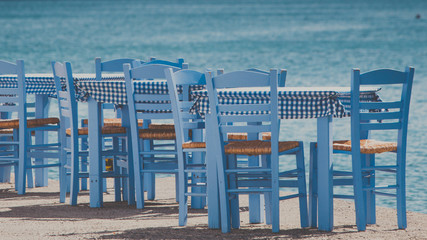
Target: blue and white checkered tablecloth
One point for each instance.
(294, 103)
(115, 91)
(42, 83)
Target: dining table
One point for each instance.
(42, 86)
(321, 103)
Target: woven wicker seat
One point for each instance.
(164, 126)
(6, 131)
(257, 147)
(112, 122)
(31, 123)
(367, 146)
(104, 130)
(194, 145)
(157, 134)
(244, 136)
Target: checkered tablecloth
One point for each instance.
(42, 83)
(115, 91)
(294, 103)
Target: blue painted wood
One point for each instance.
(68, 113)
(113, 66)
(20, 148)
(185, 122)
(364, 166)
(41, 111)
(232, 177)
(324, 184)
(145, 159)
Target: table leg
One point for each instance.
(95, 157)
(325, 164)
(42, 103)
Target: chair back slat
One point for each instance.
(179, 62)
(380, 116)
(9, 91)
(151, 97)
(8, 99)
(380, 126)
(8, 108)
(65, 104)
(152, 107)
(243, 107)
(242, 78)
(62, 94)
(383, 76)
(380, 105)
(8, 68)
(245, 118)
(245, 129)
(150, 71)
(115, 65)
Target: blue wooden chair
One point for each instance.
(67, 104)
(389, 116)
(150, 157)
(239, 178)
(19, 148)
(186, 126)
(111, 66)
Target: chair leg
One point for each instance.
(358, 192)
(302, 187)
(22, 173)
(267, 196)
(234, 199)
(182, 186)
(62, 176)
(74, 178)
(370, 195)
(275, 194)
(149, 178)
(223, 197)
(29, 169)
(401, 190)
(116, 169)
(312, 187)
(16, 170)
(84, 163)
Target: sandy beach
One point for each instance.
(39, 215)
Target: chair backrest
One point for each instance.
(67, 102)
(13, 100)
(152, 60)
(147, 106)
(179, 85)
(393, 115)
(115, 65)
(111, 66)
(239, 118)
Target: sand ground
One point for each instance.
(39, 215)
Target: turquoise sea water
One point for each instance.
(318, 42)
